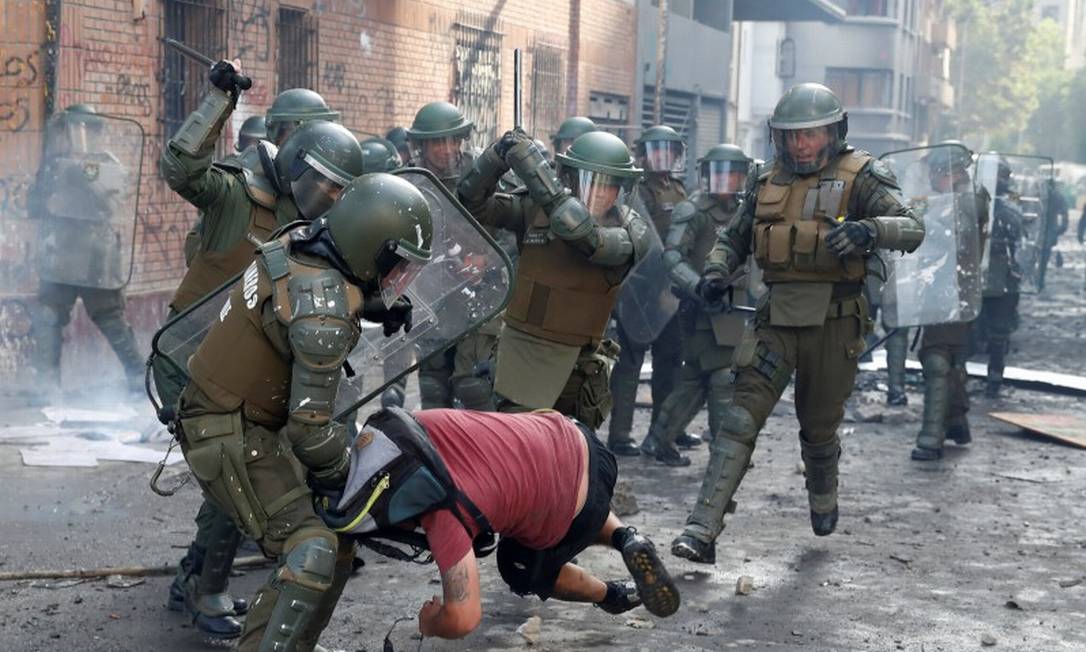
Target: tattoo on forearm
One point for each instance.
(455, 582)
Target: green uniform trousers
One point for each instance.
(250, 473)
(106, 310)
(459, 374)
(626, 376)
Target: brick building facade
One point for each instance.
(375, 61)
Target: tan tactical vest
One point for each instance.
(559, 295)
(791, 222)
(237, 365)
(210, 269)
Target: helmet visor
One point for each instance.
(724, 177)
(397, 268)
(442, 156)
(280, 130)
(598, 191)
(805, 150)
(664, 156)
(314, 186)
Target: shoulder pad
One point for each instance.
(317, 292)
(519, 190)
(882, 172)
(684, 211)
(247, 168)
(767, 171)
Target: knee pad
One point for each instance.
(433, 390)
(934, 363)
(311, 562)
(739, 425)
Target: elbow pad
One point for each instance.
(901, 233)
(202, 127)
(481, 179)
(538, 176)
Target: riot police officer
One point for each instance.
(242, 203)
(252, 131)
(570, 130)
(709, 333)
(944, 347)
(264, 382)
(398, 137)
(85, 240)
(576, 246)
(812, 219)
(438, 138)
(662, 153)
(999, 310)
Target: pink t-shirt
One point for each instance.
(521, 470)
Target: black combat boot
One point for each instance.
(687, 440)
(959, 434)
(694, 549)
(669, 455)
(623, 445)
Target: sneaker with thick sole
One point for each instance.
(655, 586)
(626, 597)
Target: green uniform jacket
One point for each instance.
(874, 194)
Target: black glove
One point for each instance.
(712, 288)
(506, 142)
(225, 77)
(849, 237)
(393, 318)
(397, 317)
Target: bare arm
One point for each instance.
(462, 608)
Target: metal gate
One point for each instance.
(477, 74)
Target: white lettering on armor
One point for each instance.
(249, 289)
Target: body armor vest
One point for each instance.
(791, 222)
(559, 295)
(210, 269)
(237, 365)
(661, 195)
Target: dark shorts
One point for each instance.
(535, 571)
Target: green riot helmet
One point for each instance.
(398, 137)
(82, 130)
(948, 164)
(293, 108)
(438, 137)
(570, 130)
(598, 167)
(662, 150)
(724, 170)
(252, 130)
(1004, 176)
(315, 163)
(542, 147)
(808, 126)
(379, 155)
(381, 226)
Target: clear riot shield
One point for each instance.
(645, 301)
(85, 198)
(941, 281)
(1028, 190)
(467, 283)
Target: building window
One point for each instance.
(608, 109)
(786, 59)
(548, 91)
(200, 24)
(713, 13)
(477, 75)
(297, 61)
(862, 88)
(867, 7)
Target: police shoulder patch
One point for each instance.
(882, 172)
